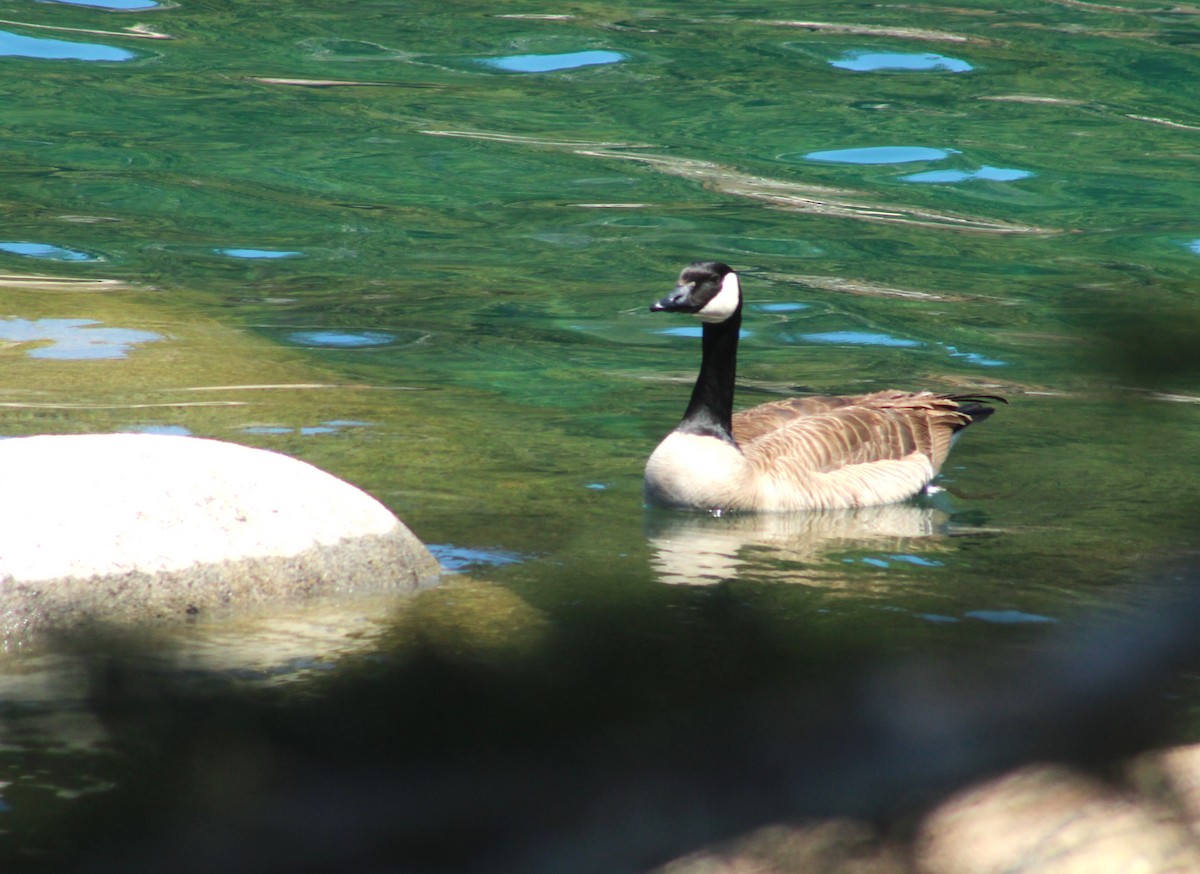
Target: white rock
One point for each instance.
(132, 526)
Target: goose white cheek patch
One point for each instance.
(724, 303)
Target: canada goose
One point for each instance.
(798, 453)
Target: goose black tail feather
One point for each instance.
(976, 407)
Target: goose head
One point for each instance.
(709, 290)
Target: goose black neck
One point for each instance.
(710, 411)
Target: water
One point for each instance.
(415, 245)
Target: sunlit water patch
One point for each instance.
(879, 155)
(551, 63)
(73, 339)
(871, 61)
(15, 45)
(46, 251)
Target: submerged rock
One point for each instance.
(123, 528)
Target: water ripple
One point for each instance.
(858, 287)
(915, 33)
(778, 193)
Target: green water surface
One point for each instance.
(432, 231)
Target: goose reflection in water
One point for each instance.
(701, 549)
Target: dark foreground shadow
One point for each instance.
(560, 763)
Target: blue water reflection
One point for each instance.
(165, 430)
(460, 558)
(259, 253)
(900, 558)
(975, 358)
(860, 338)
(16, 46)
(881, 155)
(696, 331)
(781, 307)
(1007, 617)
(878, 338)
(919, 560)
(994, 617)
(867, 61)
(45, 250)
(550, 63)
(986, 172)
(73, 339)
(109, 4)
(332, 426)
(342, 339)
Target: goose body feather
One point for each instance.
(798, 453)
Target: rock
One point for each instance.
(122, 528)
(1047, 819)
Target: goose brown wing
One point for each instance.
(885, 426)
(748, 425)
